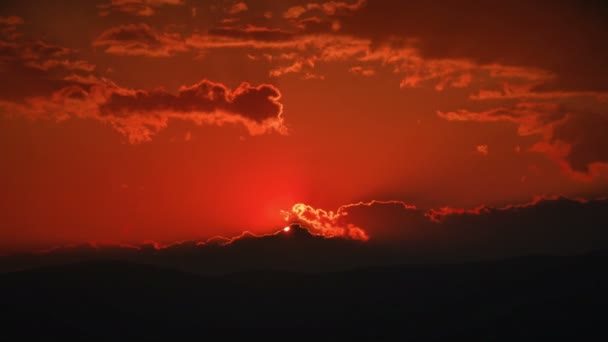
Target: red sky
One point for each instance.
(166, 120)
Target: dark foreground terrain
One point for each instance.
(522, 299)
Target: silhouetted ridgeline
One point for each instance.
(523, 299)
(561, 227)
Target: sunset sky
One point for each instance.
(171, 120)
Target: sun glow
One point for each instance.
(286, 229)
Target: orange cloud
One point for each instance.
(237, 8)
(36, 67)
(140, 114)
(362, 71)
(573, 138)
(8, 26)
(483, 149)
(144, 8)
(294, 12)
(11, 20)
(303, 67)
(547, 223)
(510, 91)
(66, 64)
(255, 33)
(325, 222)
(325, 46)
(39, 50)
(335, 223)
(329, 8)
(140, 40)
(443, 59)
(228, 21)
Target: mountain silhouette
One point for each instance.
(296, 250)
(522, 299)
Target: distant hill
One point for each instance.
(297, 250)
(293, 250)
(522, 299)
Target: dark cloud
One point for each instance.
(140, 40)
(585, 134)
(140, 114)
(362, 71)
(11, 21)
(573, 137)
(399, 233)
(255, 103)
(144, 8)
(8, 27)
(37, 51)
(237, 8)
(35, 68)
(546, 225)
(252, 32)
(48, 83)
(329, 8)
(567, 39)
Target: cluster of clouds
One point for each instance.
(51, 83)
(401, 232)
(142, 8)
(540, 95)
(574, 138)
(550, 224)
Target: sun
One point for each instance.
(286, 229)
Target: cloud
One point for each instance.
(550, 224)
(39, 50)
(11, 20)
(36, 67)
(335, 223)
(482, 149)
(228, 21)
(8, 27)
(397, 232)
(140, 114)
(329, 8)
(294, 12)
(570, 136)
(570, 33)
(30, 54)
(256, 103)
(303, 67)
(78, 65)
(313, 40)
(237, 8)
(143, 8)
(301, 50)
(427, 47)
(53, 85)
(140, 40)
(526, 92)
(320, 18)
(251, 32)
(402, 57)
(362, 71)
